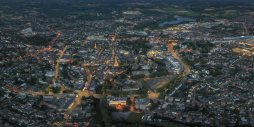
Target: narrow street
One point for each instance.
(56, 72)
(58, 62)
(79, 97)
(78, 101)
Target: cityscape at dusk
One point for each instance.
(126, 63)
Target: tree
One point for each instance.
(83, 97)
(98, 125)
(128, 102)
(91, 97)
(103, 100)
(56, 89)
(138, 76)
(162, 95)
(44, 107)
(46, 92)
(103, 89)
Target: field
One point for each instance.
(250, 13)
(155, 83)
(208, 11)
(181, 11)
(230, 11)
(134, 117)
(159, 10)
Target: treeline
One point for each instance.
(169, 85)
(106, 111)
(192, 63)
(162, 71)
(143, 90)
(205, 46)
(159, 62)
(36, 40)
(137, 44)
(116, 93)
(138, 76)
(91, 17)
(154, 24)
(216, 71)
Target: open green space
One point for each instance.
(134, 117)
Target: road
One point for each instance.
(78, 101)
(187, 69)
(79, 97)
(56, 72)
(58, 62)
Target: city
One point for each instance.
(105, 64)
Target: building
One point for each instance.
(69, 103)
(28, 32)
(124, 52)
(48, 98)
(22, 95)
(66, 58)
(146, 73)
(114, 101)
(50, 74)
(48, 104)
(132, 12)
(116, 63)
(146, 67)
(143, 104)
(131, 85)
(177, 66)
(56, 84)
(237, 38)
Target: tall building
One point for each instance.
(116, 63)
(95, 46)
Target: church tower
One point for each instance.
(95, 46)
(116, 63)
